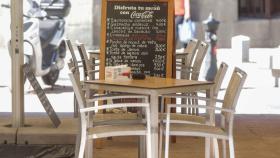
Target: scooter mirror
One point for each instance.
(54, 1)
(5, 6)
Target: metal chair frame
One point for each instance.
(92, 128)
(224, 131)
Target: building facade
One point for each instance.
(257, 19)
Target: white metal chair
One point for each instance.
(190, 118)
(185, 59)
(72, 52)
(191, 72)
(196, 52)
(103, 125)
(85, 63)
(194, 118)
(224, 131)
(196, 64)
(74, 68)
(88, 71)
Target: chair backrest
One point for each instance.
(191, 50)
(233, 91)
(220, 75)
(187, 58)
(86, 121)
(198, 59)
(74, 70)
(70, 47)
(84, 58)
(71, 65)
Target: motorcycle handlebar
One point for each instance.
(9, 7)
(5, 6)
(52, 2)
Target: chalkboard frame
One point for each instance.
(170, 34)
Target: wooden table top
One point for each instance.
(150, 83)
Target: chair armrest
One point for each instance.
(169, 106)
(190, 71)
(116, 96)
(72, 69)
(93, 71)
(181, 55)
(112, 106)
(183, 96)
(178, 64)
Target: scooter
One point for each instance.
(43, 26)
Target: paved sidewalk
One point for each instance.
(258, 97)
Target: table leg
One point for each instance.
(142, 147)
(89, 149)
(173, 138)
(211, 113)
(154, 124)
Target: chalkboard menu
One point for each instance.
(41, 95)
(138, 33)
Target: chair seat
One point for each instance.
(114, 116)
(197, 130)
(116, 130)
(116, 119)
(184, 117)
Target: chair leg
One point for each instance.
(149, 145)
(160, 141)
(78, 145)
(216, 148)
(207, 147)
(195, 110)
(81, 146)
(89, 149)
(224, 148)
(76, 111)
(166, 151)
(184, 101)
(142, 147)
(231, 147)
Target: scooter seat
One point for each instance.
(47, 30)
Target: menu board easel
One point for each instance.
(42, 96)
(138, 33)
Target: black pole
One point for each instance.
(211, 38)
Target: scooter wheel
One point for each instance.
(51, 77)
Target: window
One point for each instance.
(259, 8)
